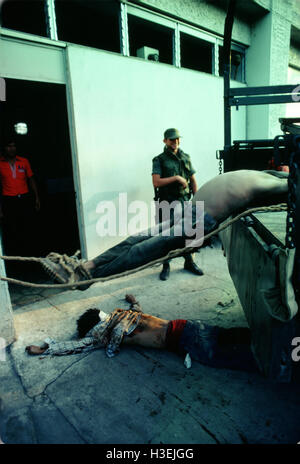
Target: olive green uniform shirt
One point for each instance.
(168, 165)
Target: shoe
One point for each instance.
(66, 269)
(192, 267)
(164, 275)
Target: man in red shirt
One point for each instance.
(16, 209)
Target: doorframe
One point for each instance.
(62, 78)
(74, 154)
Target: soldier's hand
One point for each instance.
(182, 181)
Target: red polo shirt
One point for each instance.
(14, 178)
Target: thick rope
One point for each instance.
(172, 254)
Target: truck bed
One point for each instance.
(255, 251)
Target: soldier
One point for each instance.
(173, 178)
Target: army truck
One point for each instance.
(263, 249)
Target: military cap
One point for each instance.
(172, 134)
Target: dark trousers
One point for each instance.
(218, 347)
(159, 219)
(133, 252)
(138, 250)
(18, 224)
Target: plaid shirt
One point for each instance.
(108, 333)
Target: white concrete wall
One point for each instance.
(267, 64)
(258, 59)
(121, 108)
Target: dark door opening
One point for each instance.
(42, 106)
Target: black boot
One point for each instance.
(164, 275)
(190, 265)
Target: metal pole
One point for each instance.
(51, 19)
(226, 50)
(124, 39)
(176, 47)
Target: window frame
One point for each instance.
(147, 15)
(126, 8)
(238, 48)
(181, 26)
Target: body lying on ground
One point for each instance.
(209, 345)
(223, 196)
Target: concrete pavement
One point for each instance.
(141, 395)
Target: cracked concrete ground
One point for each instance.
(141, 395)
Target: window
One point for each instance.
(103, 24)
(196, 53)
(25, 16)
(237, 64)
(143, 33)
(90, 23)
(179, 44)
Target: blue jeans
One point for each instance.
(218, 347)
(140, 249)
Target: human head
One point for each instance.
(10, 148)
(87, 321)
(172, 139)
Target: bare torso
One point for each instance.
(234, 190)
(150, 332)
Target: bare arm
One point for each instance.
(65, 347)
(33, 186)
(193, 184)
(162, 181)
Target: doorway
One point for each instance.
(43, 108)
